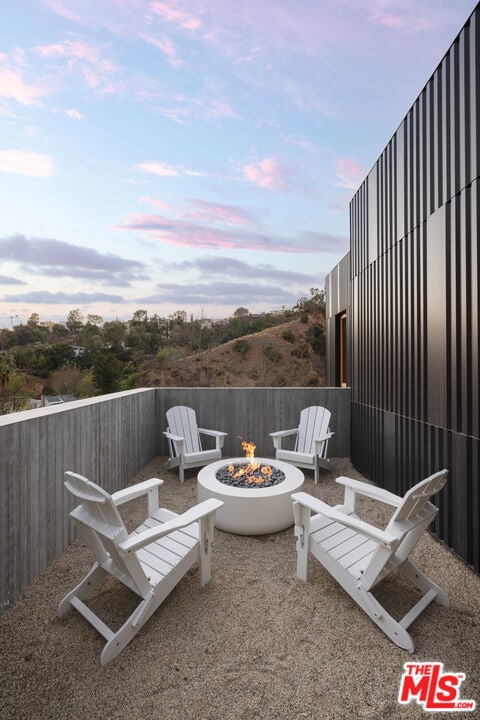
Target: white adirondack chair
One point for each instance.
(360, 555)
(311, 443)
(150, 561)
(184, 442)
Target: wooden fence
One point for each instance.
(109, 439)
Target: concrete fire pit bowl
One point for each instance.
(251, 511)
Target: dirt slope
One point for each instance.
(279, 356)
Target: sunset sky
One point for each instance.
(199, 154)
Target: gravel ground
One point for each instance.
(254, 643)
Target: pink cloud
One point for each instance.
(195, 235)
(170, 13)
(268, 173)
(166, 46)
(88, 61)
(158, 203)
(210, 212)
(13, 87)
(399, 15)
(405, 23)
(349, 174)
(300, 142)
(74, 114)
(21, 162)
(181, 232)
(157, 168)
(221, 213)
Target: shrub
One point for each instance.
(272, 354)
(241, 346)
(288, 336)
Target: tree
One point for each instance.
(114, 334)
(106, 372)
(178, 317)
(94, 319)
(74, 321)
(65, 379)
(33, 320)
(139, 316)
(314, 304)
(7, 369)
(13, 390)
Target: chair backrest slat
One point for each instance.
(182, 421)
(409, 522)
(102, 526)
(314, 422)
(416, 500)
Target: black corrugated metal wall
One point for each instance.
(414, 314)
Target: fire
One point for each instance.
(253, 465)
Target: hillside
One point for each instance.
(291, 354)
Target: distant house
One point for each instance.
(403, 306)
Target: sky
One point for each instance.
(195, 155)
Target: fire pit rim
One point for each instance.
(292, 477)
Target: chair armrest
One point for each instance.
(325, 436)
(137, 541)
(283, 433)
(217, 434)
(279, 434)
(321, 508)
(213, 433)
(171, 436)
(134, 491)
(371, 491)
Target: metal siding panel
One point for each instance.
(436, 318)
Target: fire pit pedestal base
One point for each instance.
(251, 511)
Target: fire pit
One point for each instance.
(251, 507)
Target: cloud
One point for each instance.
(300, 142)
(167, 47)
(157, 168)
(198, 236)
(23, 162)
(88, 61)
(170, 13)
(271, 174)
(62, 298)
(224, 214)
(8, 280)
(218, 293)
(266, 173)
(14, 87)
(349, 173)
(58, 258)
(223, 266)
(211, 213)
(74, 114)
(399, 16)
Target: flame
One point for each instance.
(248, 448)
(253, 465)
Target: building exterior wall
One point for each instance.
(414, 266)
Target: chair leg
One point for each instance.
(180, 473)
(385, 622)
(302, 517)
(90, 582)
(205, 539)
(129, 629)
(410, 571)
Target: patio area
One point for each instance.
(254, 643)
